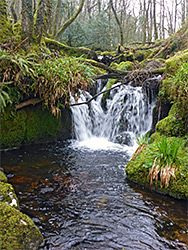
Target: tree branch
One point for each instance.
(100, 93)
(33, 101)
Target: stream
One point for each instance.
(77, 193)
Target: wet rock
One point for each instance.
(124, 138)
(151, 87)
(3, 178)
(7, 195)
(17, 230)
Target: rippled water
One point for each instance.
(80, 199)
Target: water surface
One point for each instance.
(80, 199)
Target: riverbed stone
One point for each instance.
(17, 230)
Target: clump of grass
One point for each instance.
(165, 161)
(142, 141)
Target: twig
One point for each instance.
(20, 44)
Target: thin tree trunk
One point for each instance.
(56, 18)
(118, 22)
(154, 20)
(13, 11)
(71, 19)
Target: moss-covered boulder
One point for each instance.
(140, 55)
(33, 125)
(127, 66)
(7, 195)
(170, 125)
(3, 178)
(17, 230)
(173, 63)
(41, 124)
(13, 128)
(138, 168)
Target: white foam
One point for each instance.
(101, 143)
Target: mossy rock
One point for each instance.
(127, 56)
(114, 65)
(41, 125)
(127, 66)
(13, 128)
(7, 195)
(3, 178)
(33, 125)
(106, 95)
(171, 125)
(137, 171)
(155, 137)
(17, 230)
(141, 55)
(173, 63)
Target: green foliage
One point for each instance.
(163, 160)
(167, 151)
(46, 75)
(4, 96)
(179, 88)
(142, 139)
(175, 89)
(163, 165)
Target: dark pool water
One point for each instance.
(81, 199)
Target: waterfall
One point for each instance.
(128, 113)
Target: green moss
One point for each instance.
(41, 125)
(7, 195)
(137, 171)
(155, 137)
(32, 125)
(171, 125)
(107, 94)
(114, 65)
(173, 64)
(5, 26)
(141, 55)
(17, 231)
(13, 127)
(3, 178)
(127, 66)
(127, 56)
(71, 51)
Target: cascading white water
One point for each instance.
(127, 114)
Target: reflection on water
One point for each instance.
(81, 199)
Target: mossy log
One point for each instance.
(132, 74)
(71, 51)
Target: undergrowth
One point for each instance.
(46, 75)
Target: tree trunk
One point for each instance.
(56, 18)
(14, 15)
(27, 20)
(43, 18)
(70, 20)
(154, 20)
(118, 22)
